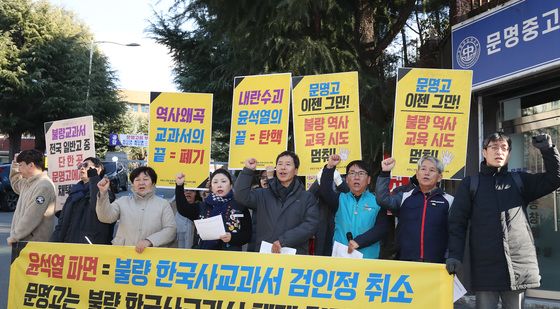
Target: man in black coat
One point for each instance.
(502, 251)
(77, 221)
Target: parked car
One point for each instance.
(8, 198)
(117, 174)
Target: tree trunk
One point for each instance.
(15, 143)
(369, 48)
(404, 47)
(365, 32)
(40, 143)
(420, 28)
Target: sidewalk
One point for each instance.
(468, 302)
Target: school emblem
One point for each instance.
(468, 52)
(40, 200)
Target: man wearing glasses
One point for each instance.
(422, 211)
(77, 221)
(359, 222)
(494, 203)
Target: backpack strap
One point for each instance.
(518, 182)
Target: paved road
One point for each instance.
(5, 255)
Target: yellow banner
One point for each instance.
(259, 119)
(432, 118)
(47, 275)
(326, 120)
(180, 136)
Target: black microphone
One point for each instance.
(349, 236)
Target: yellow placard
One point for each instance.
(309, 180)
(326, 120)
(259, 119)
(432, 118)
(180, 134)
(50, 275)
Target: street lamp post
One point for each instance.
(91, 58)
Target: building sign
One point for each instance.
(508, 42)
(180, 132)
(431, 118)
(326, 120)
(58, 275)
(68, 143)
(128, 140)
(259, 119)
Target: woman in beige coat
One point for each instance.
(146, 220)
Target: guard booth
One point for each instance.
(513, 48)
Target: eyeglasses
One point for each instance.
(83, 165)
(495, 148)
(359, 174)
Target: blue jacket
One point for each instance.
(422, 228)
(362, 217)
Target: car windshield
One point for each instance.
(110, 167)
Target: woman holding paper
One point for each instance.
(219, 202)
(146, 220)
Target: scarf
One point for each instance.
(77, 192)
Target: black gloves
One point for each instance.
(452, 265)
(91, 172)
(542, 141)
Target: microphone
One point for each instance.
(349, 236)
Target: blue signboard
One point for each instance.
(508, 42)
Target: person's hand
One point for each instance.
(333, 161)
(14, 161)
(143, 244)
(388, 164)
(270, 172)
(11, 241)
(452, 265)
(226, 237)
(103, 185)
(276, 247)
(180, 179)
(352, 245)
(542, 142)
(92, 172)
(251, 163)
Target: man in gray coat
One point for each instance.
(287, 215)
(34, 216)
(503, 258)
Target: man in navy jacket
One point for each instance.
(422, 211)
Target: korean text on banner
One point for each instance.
(50, 275)
(259, 119)
(180, 135)
(326, 120)
(431, 118)
(68, 143)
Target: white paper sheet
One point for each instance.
(340, 250)
(210, 228)
(458, 289)
(266, 247)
